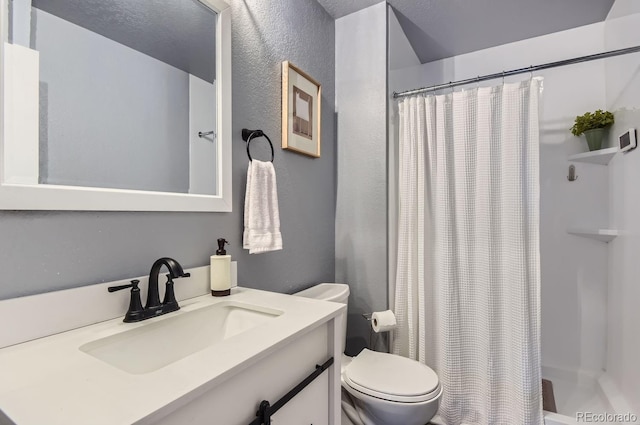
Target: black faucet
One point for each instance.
(153, 308)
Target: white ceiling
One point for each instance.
(442, 28)
(178, 32)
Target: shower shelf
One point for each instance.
(603, 235)
(602, 156)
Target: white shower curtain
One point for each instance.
(468, 279)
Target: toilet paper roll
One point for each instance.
(383, 321)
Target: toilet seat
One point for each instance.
(391, 377)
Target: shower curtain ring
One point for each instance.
(503, 77)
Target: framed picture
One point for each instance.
(301, 111)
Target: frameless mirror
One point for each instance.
(128, 97)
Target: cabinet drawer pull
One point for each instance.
(266, 410)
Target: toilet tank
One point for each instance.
(335, 292)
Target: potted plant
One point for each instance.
(594, 125)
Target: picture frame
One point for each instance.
(301, 111)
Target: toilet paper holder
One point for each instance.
(368, 317)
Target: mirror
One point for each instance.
(131, 99)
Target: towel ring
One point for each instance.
(248, 135)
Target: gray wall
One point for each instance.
(45, 251)
(361, 212)
(106, 110)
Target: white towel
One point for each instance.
(261, 215)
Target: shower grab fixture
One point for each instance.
(572, 173)
(202, 134)
(248, 135)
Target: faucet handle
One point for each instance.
(135, 312)
(169, 296)
(134, 285)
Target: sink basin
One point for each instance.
(152, 346)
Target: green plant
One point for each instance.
(590, 121)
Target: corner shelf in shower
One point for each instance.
(602, 156)
(603, 235)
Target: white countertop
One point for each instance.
(49, 381)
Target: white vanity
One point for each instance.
(211, 362)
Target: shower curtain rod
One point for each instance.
(532, 68)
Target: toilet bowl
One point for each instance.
(386, 389)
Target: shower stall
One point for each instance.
(588, 234)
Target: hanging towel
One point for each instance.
(261, 215)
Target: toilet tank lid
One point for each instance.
(336, 292)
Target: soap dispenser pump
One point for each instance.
(221, 271)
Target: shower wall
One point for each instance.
(623, 98)
(574, 269)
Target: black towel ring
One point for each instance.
(248, 135)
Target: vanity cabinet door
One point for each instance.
(236, 400)
(309, 407)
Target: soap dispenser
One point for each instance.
(221, 271)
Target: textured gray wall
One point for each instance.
(361, 212)
(110, 116)
(45, 251)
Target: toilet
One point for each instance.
(386, 389)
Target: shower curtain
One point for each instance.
(468, 266)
